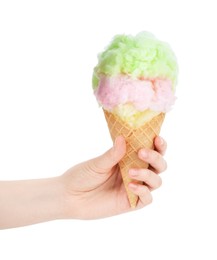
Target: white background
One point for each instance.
(49, 121)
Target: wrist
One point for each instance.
(58, 201)
(68, 206)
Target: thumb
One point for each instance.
(110, 158)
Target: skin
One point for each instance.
(89, 190)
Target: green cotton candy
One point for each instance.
(142, 56)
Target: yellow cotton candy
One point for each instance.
(132, 116)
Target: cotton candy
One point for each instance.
(136, 77)
(142, 56)
(156, 95)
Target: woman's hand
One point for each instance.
(90, 190)
(94, 189)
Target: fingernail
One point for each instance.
(161, 141)
(132, 186)
(133, 172)
(144, 154)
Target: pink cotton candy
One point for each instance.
(164, 97)
(156, 95)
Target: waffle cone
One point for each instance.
(136, 138)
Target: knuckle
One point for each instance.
(165, 145)
(156, 156)
(149, 199)
(147, 194)
(159, 182)
(165, 165)
(148, 174)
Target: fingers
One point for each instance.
(154, 159)
(160, 145)
(142, 192)
(152, 180)
(110, 158)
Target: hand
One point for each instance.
(94, 189)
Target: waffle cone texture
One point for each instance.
(136, 138)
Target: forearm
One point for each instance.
(31, 201)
